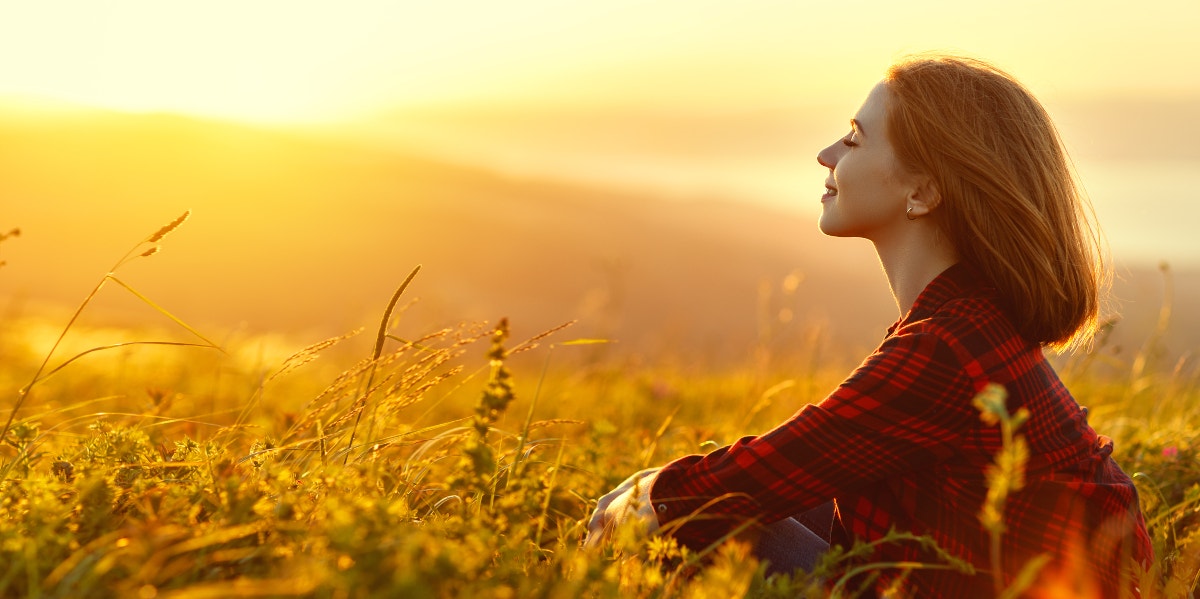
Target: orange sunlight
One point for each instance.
(287, 61)
(543, 160)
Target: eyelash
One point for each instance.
(848, 143)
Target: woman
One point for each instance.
(957, 176)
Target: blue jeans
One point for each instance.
(788, 545)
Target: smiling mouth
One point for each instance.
(830, 192)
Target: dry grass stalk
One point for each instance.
(310, 353)
(167, 228)
(532, 342)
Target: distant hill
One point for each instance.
(311, 234)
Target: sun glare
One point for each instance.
(260, 61)
(279, 60)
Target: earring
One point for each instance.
(908, 214)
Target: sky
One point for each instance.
(711, 97)
(690, 99)
(304, 61)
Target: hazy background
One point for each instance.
(645, 167)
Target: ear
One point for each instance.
(923, 198)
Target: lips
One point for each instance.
(830, 192)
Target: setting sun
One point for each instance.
(275, 60)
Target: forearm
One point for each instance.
(700, 499)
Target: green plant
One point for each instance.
(275, 484)
(143, 249)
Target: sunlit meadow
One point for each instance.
(464, 461)
(424, 451)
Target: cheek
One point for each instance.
(880, 176)
(859, 174)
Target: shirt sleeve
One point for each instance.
(906, 406)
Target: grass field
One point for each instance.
(462, 462)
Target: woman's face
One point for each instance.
(866, 192)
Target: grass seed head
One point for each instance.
(167, 228)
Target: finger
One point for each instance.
(591, 541)
(596, 535)
(596, 521)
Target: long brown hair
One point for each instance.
(1010, 204)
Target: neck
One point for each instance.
(912, 259)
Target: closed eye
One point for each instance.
(849, 143)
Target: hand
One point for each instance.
(630, 499)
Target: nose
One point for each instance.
(829, 156)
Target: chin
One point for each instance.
(830, 229)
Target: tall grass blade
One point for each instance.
(375, 353)
(81, 354)
(164, 312)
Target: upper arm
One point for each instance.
(906, 406)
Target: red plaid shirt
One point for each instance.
(900, 445)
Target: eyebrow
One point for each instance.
(857, 126)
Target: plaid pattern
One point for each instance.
(900, 445)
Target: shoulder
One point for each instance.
(981, 337)
(922, 354)
(963, 310)
(958, 305)
(956, 335)
(919, 373)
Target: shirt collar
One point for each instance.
(954, 282)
